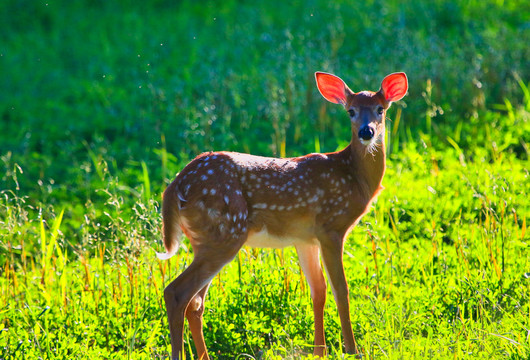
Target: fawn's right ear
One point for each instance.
(394, 86)
(332, 88)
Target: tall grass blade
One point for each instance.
(147, 183)
(526, 91)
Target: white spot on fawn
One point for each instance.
(213, 213)
(212, 191)
(226, 199)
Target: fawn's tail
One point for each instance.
(171, 222)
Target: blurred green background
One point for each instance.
(126, 78)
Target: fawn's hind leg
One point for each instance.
(191, 286)
(194, 314)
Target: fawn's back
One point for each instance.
(270, 201)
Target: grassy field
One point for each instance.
(102, 102)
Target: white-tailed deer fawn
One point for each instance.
(224, 200)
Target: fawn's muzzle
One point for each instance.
(366, 133)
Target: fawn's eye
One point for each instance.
(380, 110)
(351, 112)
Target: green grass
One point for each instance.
(101, 103)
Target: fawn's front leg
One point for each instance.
(310, 264)
(332, 245)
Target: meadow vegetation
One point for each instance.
(103, 102)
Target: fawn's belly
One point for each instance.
(264, 239)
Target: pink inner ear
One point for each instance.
(394, 86)
(331, 87)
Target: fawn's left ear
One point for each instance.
(332, 88)
(394, 86)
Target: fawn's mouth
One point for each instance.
(365, 142)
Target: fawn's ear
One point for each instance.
(394, 86)
(332, 88)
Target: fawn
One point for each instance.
(224, 200)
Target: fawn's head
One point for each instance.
(367, 109)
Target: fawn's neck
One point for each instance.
(368, 167)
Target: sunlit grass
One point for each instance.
(441, 272)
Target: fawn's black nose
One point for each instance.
(366, 133)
